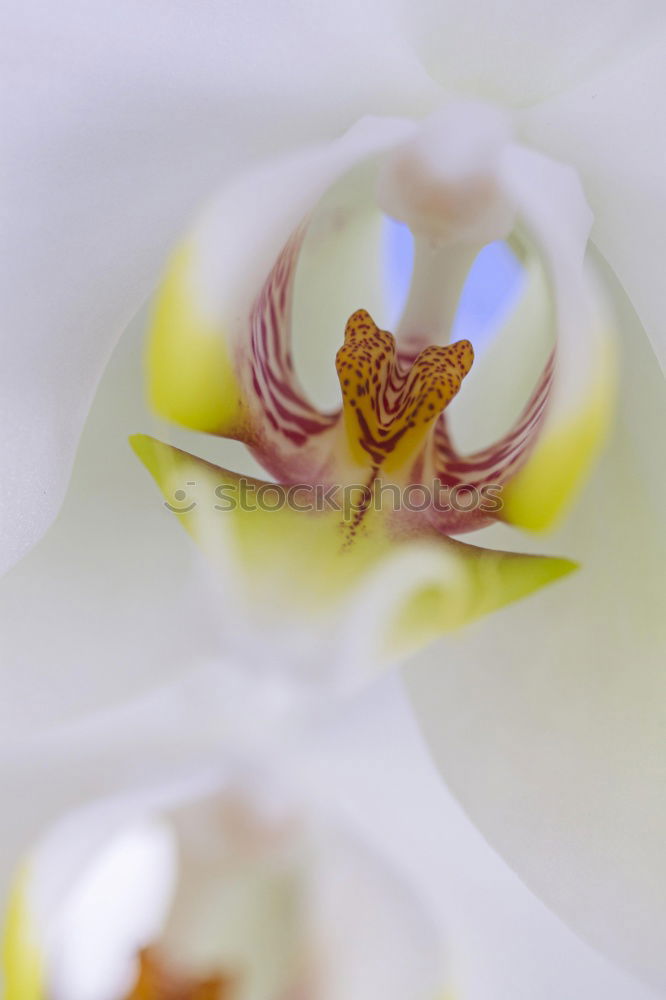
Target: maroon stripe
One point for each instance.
(285, 405)
(502, 458)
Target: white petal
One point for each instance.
(611, 128)
(548, 722)
(501, 941)
(518, 53)
(582, 394)
(113, 908)
(161, 749)
(459, 182)
(219, 357)
(119, 120)
(373, 933)
(108, 604)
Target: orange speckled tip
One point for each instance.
(156, 982)
(389, 408)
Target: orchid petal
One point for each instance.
(549, 723)
(546, 455)
(609, 125)
(460, 181)
(22, 961)
(582, 395)
(141, 755)
(520, 54)
(96, 613)
(259, 534)
(105, 167)
(502, 942)
(220, 354)
(125, 877)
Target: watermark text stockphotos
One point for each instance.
(248, 495)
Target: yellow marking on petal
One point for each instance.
(546, 486)
(493, 579)
(191, 378)
(21, 959)
(294, 564)
(389, 411)
(258, 528)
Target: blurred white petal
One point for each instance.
(243, 880)
(548, 722)
(502, 941)
(611, 126)
(119, 119)
(520, 53)
(109, 603)
(140, 752)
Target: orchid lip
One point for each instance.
(392, 414)
(392, 427)
(241, 357)
(297, 443)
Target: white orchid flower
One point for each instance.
(219, 881)
(546, 718)
(220, 360)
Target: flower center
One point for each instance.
(389, 404)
